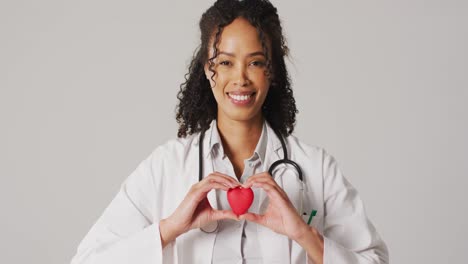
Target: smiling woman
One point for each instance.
(241, 41)
(238, 75)
(238, 94)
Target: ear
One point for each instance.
(208, 73)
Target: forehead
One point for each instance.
(239, 37)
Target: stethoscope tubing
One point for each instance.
(285, 160)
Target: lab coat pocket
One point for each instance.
(312, 219)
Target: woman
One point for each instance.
(237, 95)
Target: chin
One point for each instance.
(241, 116)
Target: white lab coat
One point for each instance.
(128, 230)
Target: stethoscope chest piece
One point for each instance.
(213, 226)
(210, 227)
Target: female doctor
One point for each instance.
(173, 208)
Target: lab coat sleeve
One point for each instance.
(126, 233)
(349, 236)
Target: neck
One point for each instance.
(240, 137)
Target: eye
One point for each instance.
(225, 63)
(258, 63)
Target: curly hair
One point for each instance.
(197, 106)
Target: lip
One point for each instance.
(241, 92)
(243, 102)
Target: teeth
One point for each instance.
(240, 97)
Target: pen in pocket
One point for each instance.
(312, 214)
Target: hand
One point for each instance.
(281, 215)
(195, 210)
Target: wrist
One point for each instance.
(167, 232)
(313, 243)
(305, 232)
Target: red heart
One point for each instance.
(240, 199)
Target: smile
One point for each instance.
(241, 99)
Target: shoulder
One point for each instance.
(310, 153)
(315, 159)
(175, 147)
(299, 147)
(167, 157)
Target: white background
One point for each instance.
(88, 90)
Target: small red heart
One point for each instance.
(240, 199)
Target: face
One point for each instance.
(240, 84)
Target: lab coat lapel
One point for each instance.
(272, 154)
(275, 247)
(203, 248)
(208, 163)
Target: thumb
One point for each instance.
(252, 218)
(224, 214)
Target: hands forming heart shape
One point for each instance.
(240, 199)
(195, 210)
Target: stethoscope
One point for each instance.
(213, 227)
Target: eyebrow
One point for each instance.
(248, 55)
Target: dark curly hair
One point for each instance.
(197, 106)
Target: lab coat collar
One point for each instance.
(272, 154)
(215, 139)
(273, 142)
(275, 248)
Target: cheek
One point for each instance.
(218, 82)
(260, 76)
(263, 83)
(218, 85)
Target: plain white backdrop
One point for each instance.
(88, 90)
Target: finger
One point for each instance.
(200, 192)
(246, 185)
(270, 182)
(272, 191)
(264, 177)
(224, 214)
(223, 178)
(207, 187)
(264, 174)
(261, 176)
(220, 174)
(259, 219)
(213, 183)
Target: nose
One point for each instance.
(241, 78)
